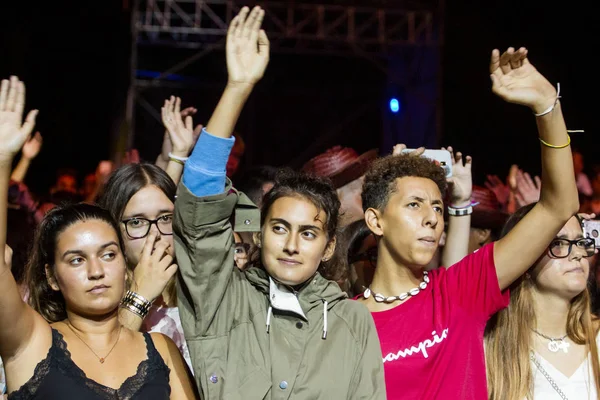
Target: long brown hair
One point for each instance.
(42, 298)
(508, 335)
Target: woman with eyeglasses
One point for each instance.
(140, 197)
(545, 344)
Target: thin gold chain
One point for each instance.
(101, 359)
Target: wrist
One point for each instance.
(460, 203)
(543, 106)
(144, 293)
(240, 87)
(178, 153)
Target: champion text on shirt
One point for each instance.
(421, 348)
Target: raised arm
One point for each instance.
(459, 226)
(30, 150)
(16, 319)
(162, 161)
(205, 202)
(515, 80)
(181, 136)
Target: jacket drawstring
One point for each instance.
(269, 313)
(324, 319)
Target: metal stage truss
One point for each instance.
(357, 30)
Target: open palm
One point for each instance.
(247, 47)
(515, 80)
(13, 131)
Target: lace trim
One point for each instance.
(30, 387)
(59, 357)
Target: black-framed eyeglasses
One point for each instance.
(370, 255)
(242, 249)
(138, 228)
(561, 248)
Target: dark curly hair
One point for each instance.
(320, 192)
(380, 179)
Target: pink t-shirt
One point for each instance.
(432, 344)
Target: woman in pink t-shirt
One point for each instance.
(431, 324)
(544, 345)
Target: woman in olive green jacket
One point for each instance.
(280, 329)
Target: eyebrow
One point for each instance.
(563, 236)
(143, 215)
(79, 252)
(289, 226)
(422, 200)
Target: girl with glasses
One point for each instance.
(141, 198)
(545, 344)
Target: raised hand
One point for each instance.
(13, 131)
(528, 190)
(247, 47)
(131, 157)
(461, 182)
(103, 171)
(496, 185)
(515, 80)
(32, 146)
(179, 126)
(155, 268)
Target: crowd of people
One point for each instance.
(359, 276)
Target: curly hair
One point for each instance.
(380, 179)
(320, 192)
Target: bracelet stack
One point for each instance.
(135, 303)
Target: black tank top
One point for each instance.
(58, 377)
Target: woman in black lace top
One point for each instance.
(70, 345)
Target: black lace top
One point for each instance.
(58, 377)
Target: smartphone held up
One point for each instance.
(442, 157)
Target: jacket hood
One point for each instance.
(310, 295)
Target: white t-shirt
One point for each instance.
(580, 386)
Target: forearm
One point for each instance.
(163, 158)
(20, 170)
(5, 166)
(559, 190)
(457, 240)
(223, 120)
(160, 163)
(130, 320)
(174, 170)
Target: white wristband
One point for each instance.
(178, 158)
(549, 109)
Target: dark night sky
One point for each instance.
(73, 57)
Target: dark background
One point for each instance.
(73, 57)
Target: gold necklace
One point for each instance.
(101, 359)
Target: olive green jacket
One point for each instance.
(250, 338)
